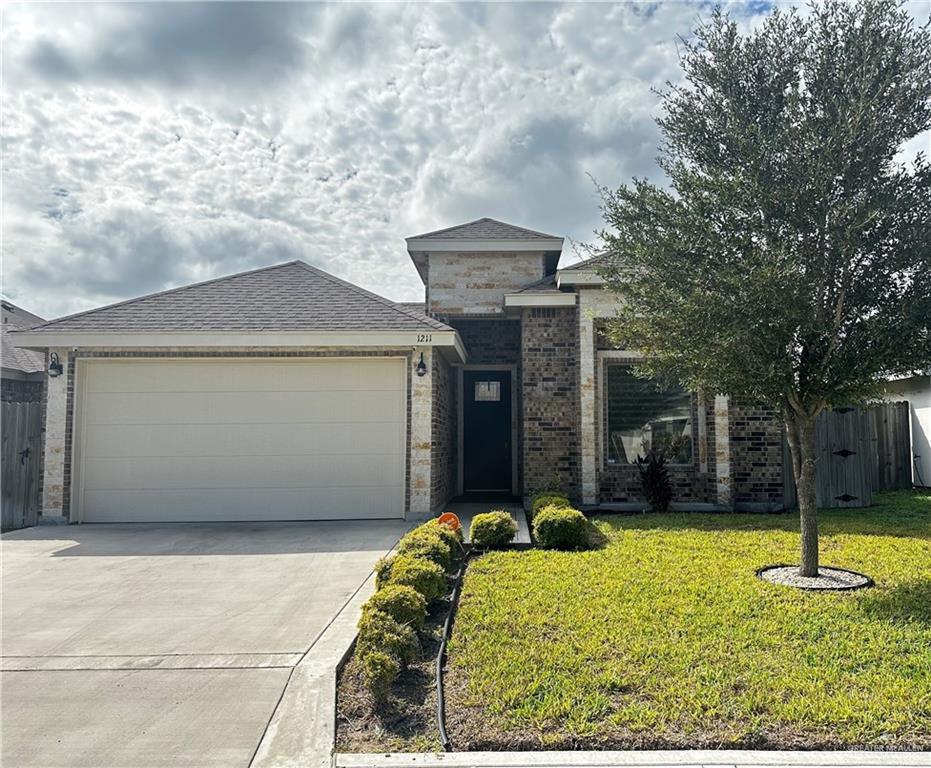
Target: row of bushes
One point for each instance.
(405, 584)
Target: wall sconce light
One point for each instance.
(421, 366)
(55, 368)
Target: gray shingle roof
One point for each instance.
(23, 360)
(485, 229)
(584, 264)
(286, 297)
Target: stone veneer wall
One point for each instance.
(757, 460)
(550, 397)
(475, 283)
(56, 489)
(444, 450)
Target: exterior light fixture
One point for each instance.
(421, 366)
(55, 368)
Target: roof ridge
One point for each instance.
(168, 291)
(381, 299)
(535, 232)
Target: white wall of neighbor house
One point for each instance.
(917, 391)
(56, 414)
(475, 283)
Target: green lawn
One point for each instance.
(665, 637)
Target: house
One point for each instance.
(285, 393)
(916, 390)
(23, 370)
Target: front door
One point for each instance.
(486, 431)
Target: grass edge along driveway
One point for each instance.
(665, 637)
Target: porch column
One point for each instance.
(722, 450)
(421, 433)
(56, 416)
(587, 431)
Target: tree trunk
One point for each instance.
(801, 437)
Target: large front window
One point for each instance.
(642, 415)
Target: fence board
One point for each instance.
(20, 425)
(859, 452)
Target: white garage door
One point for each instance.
(185, 440)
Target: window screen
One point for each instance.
(642, 415)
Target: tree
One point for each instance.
(789, 259)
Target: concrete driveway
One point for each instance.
(165, 645)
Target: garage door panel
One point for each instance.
(206, 472)
(333, 438)
(238, 505)
(241, 440)
(241, 407)
(234, 376)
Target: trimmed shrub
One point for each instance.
(492, 530)
(451, 537)
(402, 603)
(427, 543)
(560, 528)
(423, 575)
(379, 633)
(379, 671)
(548, 499)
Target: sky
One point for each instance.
(149, 145)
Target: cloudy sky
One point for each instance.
(150, 145)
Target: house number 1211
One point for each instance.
(424, 338)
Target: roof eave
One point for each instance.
(571, 277)
(470, 245)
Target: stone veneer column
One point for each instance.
(421, 433)
(587, 433)
(722, 451)
(56, 414)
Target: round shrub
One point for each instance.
(427, 543)
(560, 528)
(379, 671)
(402, 603)
(492, 530)
(451, 537)
(379, 633)
(548, 499)
(423, 575)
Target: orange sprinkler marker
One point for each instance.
(448, 518)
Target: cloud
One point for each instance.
(147, 145)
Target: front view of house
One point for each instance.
(285, 393)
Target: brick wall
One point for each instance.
(445, 444)
(756, 454)
(489, 341)
(550, 399)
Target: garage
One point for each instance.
(172, 440)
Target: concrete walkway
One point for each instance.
(165, 645)
(466, 510)
(700, 758)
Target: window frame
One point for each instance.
(608, 358)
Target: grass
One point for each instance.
(666, 638)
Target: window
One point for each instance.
(487, 391)
(642, 415)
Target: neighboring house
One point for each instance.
(23, 370)
(917, 391)
(286, 393)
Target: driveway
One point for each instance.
(165, 645)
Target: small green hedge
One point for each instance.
(492, 530)
(548, 499)
(427, 543)
(379, 633)
(410, 570)
(402, 603)
(451, 537)
(379, 671)
(558, 527)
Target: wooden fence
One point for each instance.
(859, 452)
(20, 425)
